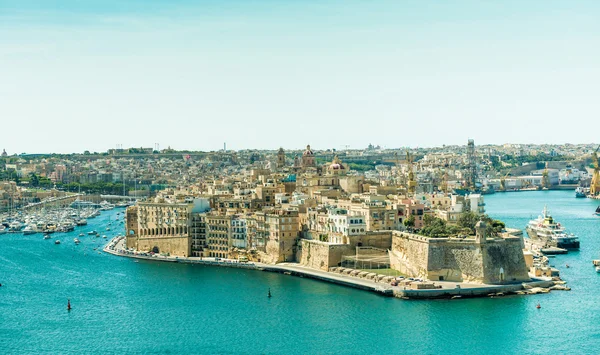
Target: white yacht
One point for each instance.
(29, 230)
(106, 206)
(546, 232)
(15, 226)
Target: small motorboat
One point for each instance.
(104, 236)
(77, 241)
(598, 269)
(107, 228)
(57, 241)
(47, 236)
(92, 232)
(81, 234)
(597, 212)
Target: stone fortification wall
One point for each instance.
(409, 254)
(176, 246)
(504, 261)
(378, 239)
(493, 261)
(459, 261)
(321, 255)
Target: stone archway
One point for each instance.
(155, 250)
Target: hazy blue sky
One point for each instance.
(78, 75)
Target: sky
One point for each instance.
(90, 75)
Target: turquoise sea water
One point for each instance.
(124, 307)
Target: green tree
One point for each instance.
(34, 180)
(468, 220)
(410, 221)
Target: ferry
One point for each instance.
(545, 231)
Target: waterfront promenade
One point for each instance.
(444, 289)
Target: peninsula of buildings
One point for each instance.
(398, 221)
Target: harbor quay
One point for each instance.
(440, 289)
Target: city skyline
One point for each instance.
(264, 75)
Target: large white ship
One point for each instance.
(545, 231)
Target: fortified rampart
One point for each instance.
(322, 255)
(477, 260)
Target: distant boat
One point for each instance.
(580, 192)
(29, 230)
(77, 241)
(81, 222)
(47, 236)
(597, 213)
(57, 241)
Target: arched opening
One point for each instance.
(501, 274)
(155, 250)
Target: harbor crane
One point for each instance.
(412, 183)
(595, 184)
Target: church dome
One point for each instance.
(307, 151)
(336, 164)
